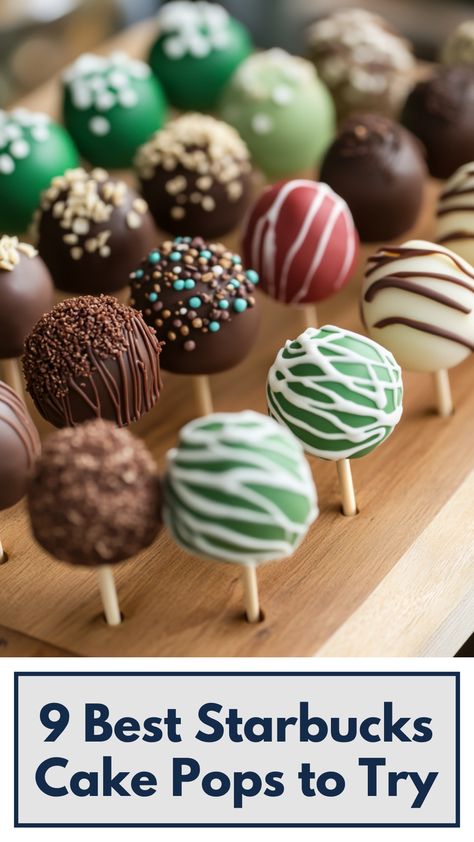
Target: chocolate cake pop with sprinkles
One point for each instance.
(201, 301)
(196, 176)
(91, 230)
(92, 357)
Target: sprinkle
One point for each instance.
(133, 219)
(236, 258)
(20, 148)
(261, 123)
(195, 302)
(177, 213)
(214, 327)
(252, 276)
(223, 304)
(178, 285)
(153, 296)
(217, 270)
(154, 257)
(235, 283)
(77, 252)
(189, 283)
(99, 126)
(206, 254)
(189, 345)
(138, 274)
(175, 255)
(7, 164)
(240, 305)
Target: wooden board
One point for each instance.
(397, 579)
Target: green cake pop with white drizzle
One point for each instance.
(239, 489)
(339, 393)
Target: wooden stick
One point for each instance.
(2, 554)
(12, 375)
(444, 398)
(250, 584)
(309, 316)
(108, 593)
(344, 473)
(203, 395)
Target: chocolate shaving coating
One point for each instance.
(95, 495)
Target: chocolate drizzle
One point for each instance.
(426, 328)
(387, 254)
(399, 282)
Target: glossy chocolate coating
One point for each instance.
(377, 166)
(19, 447)
(440, 112)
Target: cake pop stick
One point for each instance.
(238, 489)
(94, 500)
(203, 395)
(301, 240)
(12, 376)
(418, 300)
(339, 393)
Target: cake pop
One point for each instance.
(196, 176)
(440, 112)
(282, 111)
(238, 489)
(112, 104)
(201, 302)
(377, 166)
(91, 230)
(459, 45)
(364, 62)
(94, 500)
(455, 213)
(197, 49)
(19, 447)
(301, 239)
(33, 149)
(418, 299)
(339, 393)
(92, 357)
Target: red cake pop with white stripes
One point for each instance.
(300, 238)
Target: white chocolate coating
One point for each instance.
(455, 213)
(418, 301)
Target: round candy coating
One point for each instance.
(282, 111)
(95, 495)
(238, 488)
(301, 239)
(201, 302)
(377, 166)
(418, 300)
(111, 105)
(26, 292)
(19, 447)
(92, 357)
(440, 112)
(197, 49)
(33, 149)
(338, 392)
(364, 62)
(91, 230)
(196, 176)
(455, 213)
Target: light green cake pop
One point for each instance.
(33, 149)
(282, 110)
(338, 392)
(238, 489)
(111, 106)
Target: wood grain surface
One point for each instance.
(397, 579)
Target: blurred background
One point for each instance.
(38, 37)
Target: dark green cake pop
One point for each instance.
(199, 46)
(111, 106)
(33, 149)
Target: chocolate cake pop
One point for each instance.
(91, 231)
(196, 176)
(364, 62)
(378, 168)
(19, 447)
(94, 500)
(455, 213)
(112, 104)
(26, 292)
(300, 238)
(92, 357)
(201, 302)
(197, 49)
(459, 45)
(33, 149)
(282, 111)
(440, 112)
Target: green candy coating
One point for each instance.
(198, 48)
(338, 392)
(33, 149)
(282, 110)
(238, 489)
(111, 106)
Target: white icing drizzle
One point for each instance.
(244, 452)
(194, 29)
(19, 130)
(103, 82)
(309, 351)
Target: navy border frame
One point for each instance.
(314, 673)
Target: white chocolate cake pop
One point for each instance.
(455, 213)
(418, 301)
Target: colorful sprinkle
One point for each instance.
(252, 276)
(223, 304)
(175, 255)
(240, 305)
(235, 283)
(205, 253)
(189, 283)
(154, 257)
(214, 327)
(153, 296)
(195, 302)
(138, 274)
(178, 285)
(236, 258)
